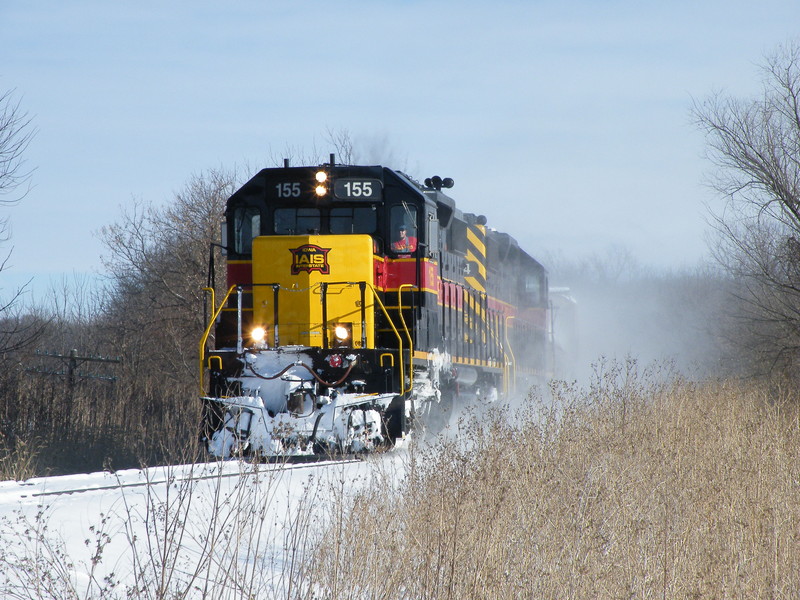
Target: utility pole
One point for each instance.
(71, 374)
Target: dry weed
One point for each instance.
(642, 486)
(17, 460)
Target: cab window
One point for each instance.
(246, 226)
(533, 290)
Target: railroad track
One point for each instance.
(66, 485)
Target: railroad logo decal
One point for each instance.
(309, 257)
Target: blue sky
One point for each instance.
(566, 123)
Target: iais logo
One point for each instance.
(309, 257)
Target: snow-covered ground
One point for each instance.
(216, 530)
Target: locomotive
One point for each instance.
(358, 302)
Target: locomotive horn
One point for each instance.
(438, 183)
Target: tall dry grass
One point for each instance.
(643, 485)
(639, 487)
(97, 425)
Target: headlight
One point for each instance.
(342, 335)
(321, 177)
(258, 334)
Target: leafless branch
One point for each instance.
(16, 133)
(755, 146)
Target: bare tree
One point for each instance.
(157, 262)
(16, 133)
(374, 149)
(755, 145)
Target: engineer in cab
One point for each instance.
(404, 243)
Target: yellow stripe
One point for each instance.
(477, 253)
(481, 266)
(397, 289)
(474, 362)
(479, 243)
(410, 260)
(475, 284)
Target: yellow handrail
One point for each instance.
(408, 334)
(207, 332)
(397, 333)
(403, 388)
(218, 310)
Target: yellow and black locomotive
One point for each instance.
(359, 299)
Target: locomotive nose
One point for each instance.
(315, 290)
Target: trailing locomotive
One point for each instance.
(359, 300)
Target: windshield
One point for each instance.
(357, 219)
(341, 220)
(297, 221)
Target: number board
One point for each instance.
(357, 188)
(288, 189)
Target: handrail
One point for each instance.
(511, 380)
(218, 310)
(495, 335)
(207, 332)
(399, 339)
(403, 388)
(408, 333)
(328, 285)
